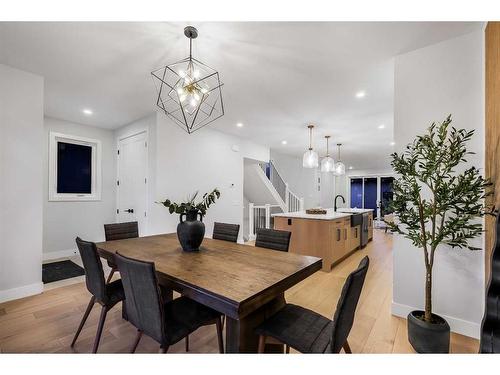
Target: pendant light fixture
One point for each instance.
(327, 163)
(339, 166)
(310, 159)
(189, 91)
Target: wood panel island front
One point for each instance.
(332, 236)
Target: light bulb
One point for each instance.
(310, 159)
(327, 164)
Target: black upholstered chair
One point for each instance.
(273, 239)
(105, 294)
(119, 231)
(226, 232)
(167, 323)
(309, 332)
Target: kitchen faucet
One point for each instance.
(335, 202)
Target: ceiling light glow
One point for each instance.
(360, 94)
(239, 125)
(87, 111)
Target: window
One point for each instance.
(74, 168)
(372, 192)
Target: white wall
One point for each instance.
(63, 221)
(301, 181)
(21, 131)
(183, 164)
(431, 83)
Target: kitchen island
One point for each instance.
(332, 236)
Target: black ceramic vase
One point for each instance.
(428, 337)
(191, 230)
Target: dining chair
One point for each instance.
(273, 239)
(309, 332)
(167, 323)
(119, 231)
(226, 232)
(105, 294)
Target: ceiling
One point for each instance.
(278, 76)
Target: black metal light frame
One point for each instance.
(166, 80)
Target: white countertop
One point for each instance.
(330, 215)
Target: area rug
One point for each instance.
(62, 270)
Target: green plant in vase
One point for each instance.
(191, 231)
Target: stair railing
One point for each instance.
(259, 217)
(292, 201)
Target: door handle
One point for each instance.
(130, 210)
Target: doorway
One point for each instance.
(132, 179)
(371, 192)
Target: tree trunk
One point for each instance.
(428, 295)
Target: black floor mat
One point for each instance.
(56, 271)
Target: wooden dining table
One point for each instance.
(245, 283)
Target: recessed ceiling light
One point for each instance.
(392, 143)
(360, 94)
(87, 111)
(284, 142)
(239, 124)
(351, 167)
(381, 126)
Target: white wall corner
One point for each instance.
(51, 255)
(21, 292)
(457, 325)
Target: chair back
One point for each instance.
(121, 231)
(273, 239)
(346, 306)
(142, 296)
(94, 275)
(226, 232)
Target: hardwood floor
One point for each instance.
(46, 323)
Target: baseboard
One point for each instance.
(457, 325)
(59, 254)
(21, 292)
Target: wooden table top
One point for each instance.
(232, 278)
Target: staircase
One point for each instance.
(284, 200)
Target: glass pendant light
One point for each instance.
(339, 166)
(310, 159)
(327, 163)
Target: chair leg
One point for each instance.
(218, 325)
(84, 319)
(347, 348)
(164, 349)
(262, 344)
(287, 349)
(100, 326)
(111, 273)
(187, 343)
(136, 341)
(223, 320)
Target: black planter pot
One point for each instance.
(191, 231)
(428, 337)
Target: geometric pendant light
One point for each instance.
(310, 158)
(189, 91)
(339, 166)
(327, 163)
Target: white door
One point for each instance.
(132, 180)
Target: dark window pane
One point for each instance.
(74, 168)
(386, 194)
(356, 193)
(371, 194)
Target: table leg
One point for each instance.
(240, 336)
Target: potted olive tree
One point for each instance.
(437, 201)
